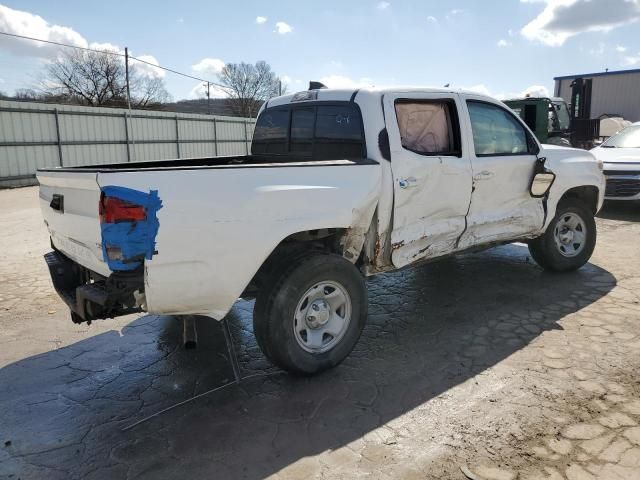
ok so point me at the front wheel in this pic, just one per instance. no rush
(310, 316)
(569, 239)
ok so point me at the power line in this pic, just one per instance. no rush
(112, 53)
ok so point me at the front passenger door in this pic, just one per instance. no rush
(502, 162)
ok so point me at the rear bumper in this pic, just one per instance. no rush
(91, 296)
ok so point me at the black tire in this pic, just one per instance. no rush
(545, 250)
(275, 309)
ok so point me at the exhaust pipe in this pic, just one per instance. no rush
(189, 332)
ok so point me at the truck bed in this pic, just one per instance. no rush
(242, 161)
(209, 223)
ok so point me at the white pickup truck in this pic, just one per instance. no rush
(340, 185)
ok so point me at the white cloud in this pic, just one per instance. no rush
(621, 49)
(283, 28)
(341, 81)
(210, 66)
(481, 89)
(432, 19)
(453, 13)
(261, 20)
(563, 19)
(631, 61)
(200, 91)
(503, 43)
(147, 70)
(293, 83)
(106, 47)
(29, 25)
(536, 91)
(383, 5)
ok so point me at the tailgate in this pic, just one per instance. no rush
(69, 201)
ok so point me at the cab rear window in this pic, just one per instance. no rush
(271, 132)
(314, 132)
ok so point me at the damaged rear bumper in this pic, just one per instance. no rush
(91, 296)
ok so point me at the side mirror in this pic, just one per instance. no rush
(542, 179)
(541, 184)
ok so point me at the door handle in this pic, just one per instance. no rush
(484, 175)
(408, 182)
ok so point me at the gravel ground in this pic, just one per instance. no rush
(482, 367)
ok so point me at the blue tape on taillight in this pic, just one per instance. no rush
(135, 239)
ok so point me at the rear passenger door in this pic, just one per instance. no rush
(503, 160)
(431, 174)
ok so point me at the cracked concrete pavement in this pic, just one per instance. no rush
(481, 366)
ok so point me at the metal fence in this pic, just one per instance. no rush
(35, 135)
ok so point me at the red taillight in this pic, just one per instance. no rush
(113, 210)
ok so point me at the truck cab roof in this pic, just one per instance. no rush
(347, 94)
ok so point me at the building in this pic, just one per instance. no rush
(604, 93)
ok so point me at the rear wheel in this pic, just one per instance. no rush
(569, 240)
(309, 318)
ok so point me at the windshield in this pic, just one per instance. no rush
(627, 138)
(563, 115)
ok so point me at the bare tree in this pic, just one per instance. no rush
(248, 86)
(98, 78)
(27, 94)
(149, 91)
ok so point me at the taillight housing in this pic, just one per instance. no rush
(115, 210)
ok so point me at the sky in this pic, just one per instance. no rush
(500, 47)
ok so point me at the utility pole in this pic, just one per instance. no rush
(208, 98)
(279, 87)
(126, 73)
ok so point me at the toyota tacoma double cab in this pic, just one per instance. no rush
(340, 185)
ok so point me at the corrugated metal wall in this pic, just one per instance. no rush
(34, 135)
(611, 94)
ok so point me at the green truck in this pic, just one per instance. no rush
(549, 118)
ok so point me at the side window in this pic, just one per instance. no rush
(338, 133)
(496, 131)
(271, 132)
(429, 127)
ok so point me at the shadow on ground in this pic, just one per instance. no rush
(429, 329)
(628, 211)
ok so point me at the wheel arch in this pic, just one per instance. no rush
(346, 242)
(588, 195)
